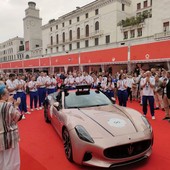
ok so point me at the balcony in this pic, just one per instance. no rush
(162, 35)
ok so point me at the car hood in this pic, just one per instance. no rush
(113, 120)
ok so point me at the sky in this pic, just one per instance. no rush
(12, 13)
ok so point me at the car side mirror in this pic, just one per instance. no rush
(56, 105)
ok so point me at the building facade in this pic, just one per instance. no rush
(13, 49)
(100, 35)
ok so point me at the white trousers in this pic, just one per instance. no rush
(10, 159)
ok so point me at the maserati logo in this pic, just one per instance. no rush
(130, 150)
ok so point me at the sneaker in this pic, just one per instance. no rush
(40, 108)
(153, 117)
(31, 110)
(157, 108)
(37, 108)
(28, 113)
(23, 117)
(166, 118)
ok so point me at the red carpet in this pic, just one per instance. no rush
(42, 149)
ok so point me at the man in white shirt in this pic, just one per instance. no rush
(51, 84)
(122, 90)
(148, 84)
(11, 85)
(41, 84)
(32, 85)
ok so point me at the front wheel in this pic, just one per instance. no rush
(67, 145)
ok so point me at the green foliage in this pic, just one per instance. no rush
(132, 21)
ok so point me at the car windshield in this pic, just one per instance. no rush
(87, 100)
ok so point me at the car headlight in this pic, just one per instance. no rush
(83, 134)
(146, 122)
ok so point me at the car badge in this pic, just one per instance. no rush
(130, 150)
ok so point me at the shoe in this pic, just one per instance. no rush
(31, 110)
(166, 118)
(23, 117)
(157, 108)
(37, 108)
(28, 113)
(40, 108)
(153, 117)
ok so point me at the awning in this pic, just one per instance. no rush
(17, 64)
(65, 60)
(115, 55)
(150, 52)
(30, 63)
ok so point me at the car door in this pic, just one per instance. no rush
(57, 116)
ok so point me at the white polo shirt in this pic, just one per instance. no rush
(148, 90)
(11, 85)
(51, 82)
(32, 84)
(121, 84)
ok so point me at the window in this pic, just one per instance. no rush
(87, 31)
(87, 43)
(63, 24)
(70, 22)
(150, 2)
(78, 19)
(139, 30)
(96, 41)
(51, 40)
(145, 4)
(70, 47)
(78, 33)
(63, 37)
(125, 35)
(107, 39)
(63, 47)
(21, 42)
(138, 6)
(132, 33)
(96, 11)
(78, 45)
(166, 26)
(97, 26)
(56, 27)
(57, 39)
(87, 15)
(70, 35)
(56, 49)
(123, 7)
(51, 28)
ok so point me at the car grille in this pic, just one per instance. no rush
(128, 150)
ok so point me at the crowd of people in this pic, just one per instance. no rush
(147, 87)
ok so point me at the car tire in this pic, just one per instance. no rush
(67, 145)
(47, 120)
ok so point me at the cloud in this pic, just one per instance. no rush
(12, 13)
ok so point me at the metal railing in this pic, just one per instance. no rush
(82, 37)
(162, 35)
